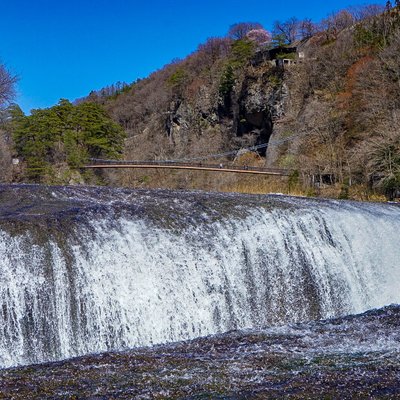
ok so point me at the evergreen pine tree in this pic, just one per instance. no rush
(64, 134)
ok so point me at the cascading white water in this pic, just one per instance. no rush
(120, 281)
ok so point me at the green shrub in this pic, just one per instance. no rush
(367, 37)
(242, 51)
(177, 78)
(227, 80)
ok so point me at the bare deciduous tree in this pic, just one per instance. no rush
(7, 85)
(336, 23)
(390, 57)
(289, 29)
(307, 28)
(240, 30)
(366, 11)
(380, 155)
(215, 47)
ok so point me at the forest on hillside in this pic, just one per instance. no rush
(325, 97)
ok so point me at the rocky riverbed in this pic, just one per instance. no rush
(347, 358)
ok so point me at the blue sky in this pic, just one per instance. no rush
(64, 49)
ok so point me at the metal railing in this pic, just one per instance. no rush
(223, 167)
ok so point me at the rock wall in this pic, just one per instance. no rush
(181, 119)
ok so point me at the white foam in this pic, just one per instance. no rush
(129, 283)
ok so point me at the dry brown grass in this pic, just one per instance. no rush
(257, 184)
(230, 182)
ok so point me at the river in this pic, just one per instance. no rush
(213, 278)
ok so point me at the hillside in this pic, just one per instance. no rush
(332, 114)
(326, 100)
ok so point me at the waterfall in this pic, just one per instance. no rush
(117, 276)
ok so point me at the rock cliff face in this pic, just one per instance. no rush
(260, 103)
(197, 120)
(247, 117)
